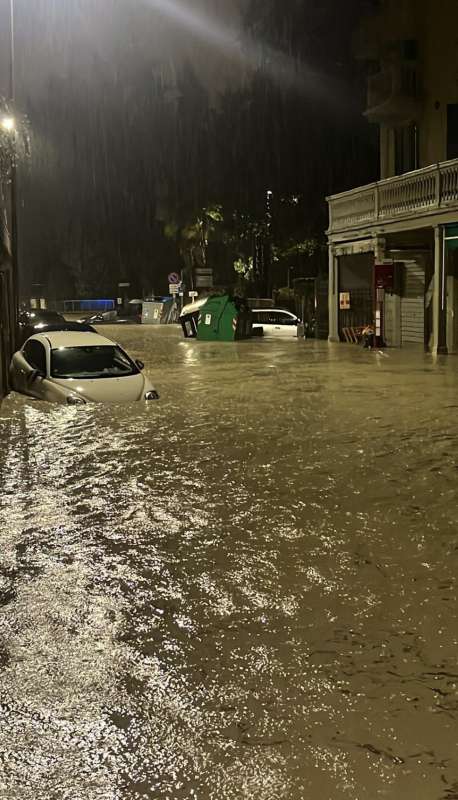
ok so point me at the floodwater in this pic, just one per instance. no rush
(245, 590)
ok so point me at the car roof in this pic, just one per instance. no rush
(72, 339)
(41, 312)
(284, 310)
(48, 327)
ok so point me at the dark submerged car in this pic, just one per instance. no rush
(130, 316)
(39, 320)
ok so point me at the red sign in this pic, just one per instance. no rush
(384, 277)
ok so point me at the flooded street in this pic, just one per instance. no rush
(245, 590)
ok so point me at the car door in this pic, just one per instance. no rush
(268, 322)
(285, 324)
(34, 355)
(256, 318)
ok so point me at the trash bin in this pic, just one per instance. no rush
(224, 319)
(189, 318)
(152, 313)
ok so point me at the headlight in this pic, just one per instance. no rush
(152, 395)
(75, 400)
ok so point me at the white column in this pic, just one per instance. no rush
(450, 338)
(333, 296)
(439, 340)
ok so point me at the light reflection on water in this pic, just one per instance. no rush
(246, 590)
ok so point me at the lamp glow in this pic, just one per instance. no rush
(8, 124)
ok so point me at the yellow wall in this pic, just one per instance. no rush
(435, 26)
(439, 65)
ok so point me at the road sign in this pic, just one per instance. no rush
(193, 294)
(174, 278)
(174, 288)
(204, 282)
(344, 299)
(123, 285)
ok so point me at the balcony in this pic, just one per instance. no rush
(393, 95)
(424, 192)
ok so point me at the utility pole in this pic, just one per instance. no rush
(13, 195)
(268, 245)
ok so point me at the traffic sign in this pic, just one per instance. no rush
(174, 278)
(174, 288)
(193, 294)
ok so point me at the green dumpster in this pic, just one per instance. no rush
(224, 319)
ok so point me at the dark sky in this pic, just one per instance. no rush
(98, 80)
(70, 36)
(83, 74)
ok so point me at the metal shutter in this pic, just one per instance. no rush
(413, 303)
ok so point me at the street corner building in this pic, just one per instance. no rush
(393, 244)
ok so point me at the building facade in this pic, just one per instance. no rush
(8, 310)
(400, 234)
(6, 325)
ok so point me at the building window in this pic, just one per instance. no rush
(410, 49)
(406, 143)
(452, 130)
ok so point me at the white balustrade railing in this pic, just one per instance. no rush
(421, 192)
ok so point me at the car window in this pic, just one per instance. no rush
(50, 316)
(260, 317)
(274, 317)
(285, 319)
(35, 355)
(99, 361)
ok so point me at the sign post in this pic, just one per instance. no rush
(383, 283)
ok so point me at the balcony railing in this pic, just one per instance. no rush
(425, 191)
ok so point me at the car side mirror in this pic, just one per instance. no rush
(139, 364)
(34, 374)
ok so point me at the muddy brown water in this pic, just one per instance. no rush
(245, 590)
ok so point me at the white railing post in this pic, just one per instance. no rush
(438, 186)
(376, 201)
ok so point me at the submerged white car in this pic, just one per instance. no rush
(275, 321)
(78, 368)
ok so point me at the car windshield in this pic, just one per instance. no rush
(100, 361)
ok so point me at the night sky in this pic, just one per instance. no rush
(120, 96)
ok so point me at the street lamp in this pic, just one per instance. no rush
(8, 124)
